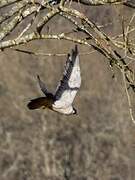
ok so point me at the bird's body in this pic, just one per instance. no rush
(66, 91)
(62, 110)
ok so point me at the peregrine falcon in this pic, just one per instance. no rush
(61, 101)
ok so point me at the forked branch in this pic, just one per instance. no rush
(93, 36)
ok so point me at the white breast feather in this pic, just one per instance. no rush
(67, 110)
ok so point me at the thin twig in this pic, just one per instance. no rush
(50, 54)
(128, 97)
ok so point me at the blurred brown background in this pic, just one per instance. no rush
(98, 144)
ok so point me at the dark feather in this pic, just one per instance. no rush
(43, 87)
(38, 103)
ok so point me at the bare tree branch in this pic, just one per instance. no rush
(129, 4)
(15, 9)
(93, 35)
(100, 2)
(128, 98)
(35, 36)
(4, 3)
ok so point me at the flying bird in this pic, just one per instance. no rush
(61, 101)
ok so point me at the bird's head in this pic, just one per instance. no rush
(74, 111)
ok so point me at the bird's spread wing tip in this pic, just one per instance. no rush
(38, 77)
(76, 47)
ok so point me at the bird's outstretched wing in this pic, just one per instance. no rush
(37, 103)
(43, 87)
(71, 81)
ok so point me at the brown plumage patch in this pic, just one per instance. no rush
(41, 102)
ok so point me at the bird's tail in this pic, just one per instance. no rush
(37, 103)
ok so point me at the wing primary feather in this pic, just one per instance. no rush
(37, 103)
(71, 77)
(42, 86)
(74, 53)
